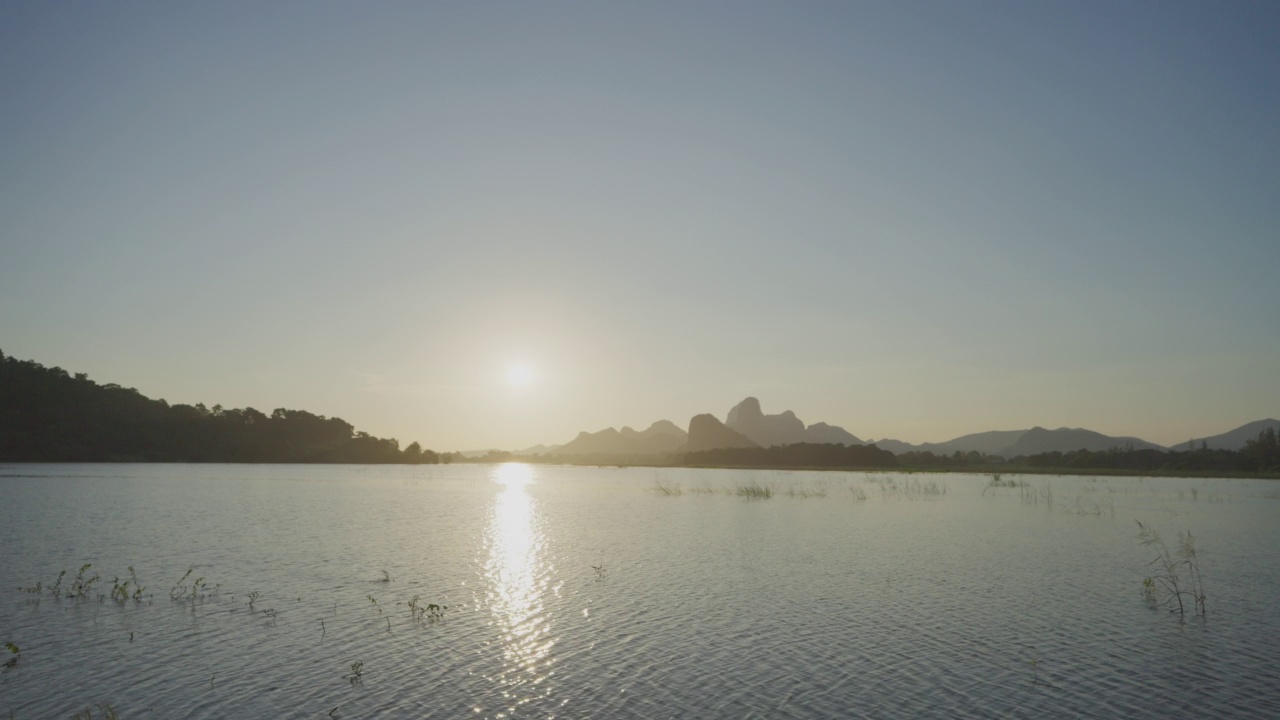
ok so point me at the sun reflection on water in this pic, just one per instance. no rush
(518, 579)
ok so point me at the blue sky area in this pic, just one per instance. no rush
(915, 220)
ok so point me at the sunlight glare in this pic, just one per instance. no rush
(519, 376)
(518, 580)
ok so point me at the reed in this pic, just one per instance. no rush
(1167, 587)
(754, 491)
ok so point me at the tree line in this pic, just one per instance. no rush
(50, 415)
(1259, 455)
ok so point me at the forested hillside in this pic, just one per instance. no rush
(50, 415)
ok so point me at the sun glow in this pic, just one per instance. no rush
(519, 376)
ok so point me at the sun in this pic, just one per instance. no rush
(519, 376)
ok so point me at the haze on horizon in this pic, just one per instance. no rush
(495, 225)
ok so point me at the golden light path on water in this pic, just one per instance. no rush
(518, 581)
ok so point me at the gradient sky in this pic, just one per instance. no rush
(914, 220)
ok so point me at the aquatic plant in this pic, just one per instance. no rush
(15, 651)
(253, 597)
(430, 612)
(599, 570)
(754, 491)
(81, 585)
(357, 674)
(56, 590)
(121, 593)
(858, 493)
(179, 589)
(997, 481)
(386, 577)
(1167, 588)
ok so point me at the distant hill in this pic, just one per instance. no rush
(1232, 439)
(706, 432)
(782, 429)
(539, 449)
(1012, 443)
(1039, 440)
(987, 443)
(661, 437)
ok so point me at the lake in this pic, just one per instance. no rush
(518, 591)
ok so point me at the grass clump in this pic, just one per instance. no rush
(1168, 588)
(431, 612)
(754, 491)
(121, 593)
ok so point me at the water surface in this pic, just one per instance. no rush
(586, 592)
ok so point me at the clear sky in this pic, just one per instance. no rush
(914, 220)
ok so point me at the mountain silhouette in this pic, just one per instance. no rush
(1232, 439)
(987, 443)
(783, 429)
(706, 432)
(1012, 443)
(661, 437)
(1039, 440)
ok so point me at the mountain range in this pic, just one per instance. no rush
(746, 425)
(1012, 443)
(662, 436)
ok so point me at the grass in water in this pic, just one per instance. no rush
(1168, 588)
(431, 612)
(754, 491)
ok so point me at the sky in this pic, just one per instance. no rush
(914, 220)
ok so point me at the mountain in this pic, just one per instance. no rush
(539, 449)
(987, 443)
(706, 432)
(1234, 439)
(821, 433)
(783, 429)
(660, 437)
(1039, 440)
(1012, 443)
